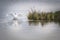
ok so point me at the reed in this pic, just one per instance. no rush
(34, 15)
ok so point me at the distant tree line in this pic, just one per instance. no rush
(34, 15)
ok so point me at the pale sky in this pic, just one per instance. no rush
(23, 6)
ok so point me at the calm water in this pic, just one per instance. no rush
(31, 30)
(24, 30)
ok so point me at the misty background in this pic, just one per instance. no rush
(24, 6)
(13, 30)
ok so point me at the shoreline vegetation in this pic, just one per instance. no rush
(43, 17)
(36, 16)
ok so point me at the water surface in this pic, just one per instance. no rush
(31, 30)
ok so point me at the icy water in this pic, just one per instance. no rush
(31, 30)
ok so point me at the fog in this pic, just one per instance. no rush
(23, 30)
(24, 6)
